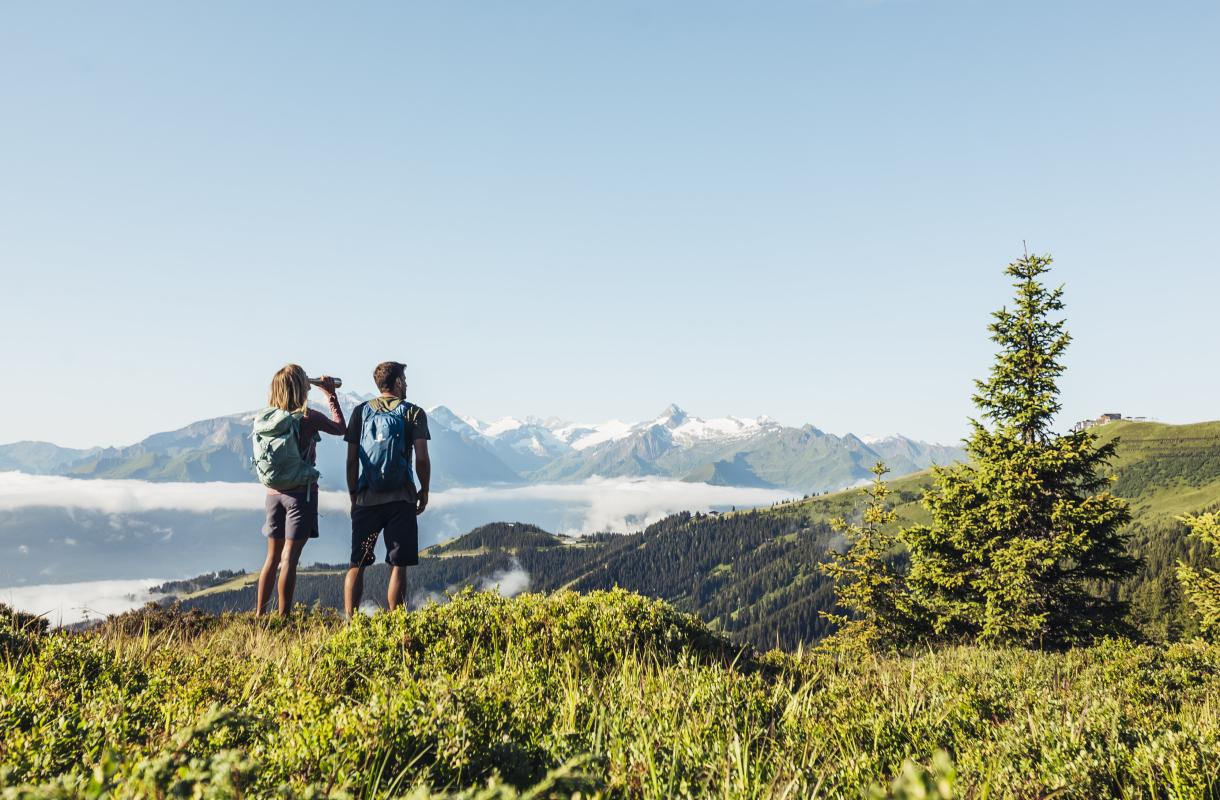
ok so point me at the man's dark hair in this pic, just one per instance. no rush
(387, 374)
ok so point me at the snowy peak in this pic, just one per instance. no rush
(672, 417)
(872, 438)
(582, 436)
(694, 429)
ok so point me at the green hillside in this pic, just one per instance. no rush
(754, 574)
(1166, 470)
(598, 696)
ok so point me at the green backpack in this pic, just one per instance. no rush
(277, 451)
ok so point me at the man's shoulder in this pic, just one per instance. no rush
(413, 412)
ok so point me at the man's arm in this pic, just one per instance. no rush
(423, 468)
(353, 469)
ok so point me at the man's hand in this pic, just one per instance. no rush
(423, 467)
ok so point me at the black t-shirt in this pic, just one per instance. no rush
(416, 428)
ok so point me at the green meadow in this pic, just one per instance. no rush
(601, 695)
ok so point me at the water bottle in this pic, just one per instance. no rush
(318, 381)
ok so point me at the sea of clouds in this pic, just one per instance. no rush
(69, 603)
(596, 504)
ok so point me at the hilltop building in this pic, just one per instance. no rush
(1084, 425)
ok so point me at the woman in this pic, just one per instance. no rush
(292, 514)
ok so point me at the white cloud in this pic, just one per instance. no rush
(508, 582)
(18, 490)
(618, 504)
(596, 504)
(66, 603)
(25, 551)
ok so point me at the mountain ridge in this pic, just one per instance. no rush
(731, 451)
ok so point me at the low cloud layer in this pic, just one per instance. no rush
(18, 490)
(597, 504)
(68, 603)
(615, 504)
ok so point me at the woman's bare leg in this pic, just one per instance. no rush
(266, 578)
(288, 573)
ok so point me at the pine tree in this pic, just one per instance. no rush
(1202, 588)
(868, 585)
(1020, 533)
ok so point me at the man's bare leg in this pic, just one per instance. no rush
(266, 578)
(395, 595)
(288, 573)
(353, 590)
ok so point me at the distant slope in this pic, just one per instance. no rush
(38, 458)
(1166, 470)
(211, 450)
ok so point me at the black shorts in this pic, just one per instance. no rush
(401, 528)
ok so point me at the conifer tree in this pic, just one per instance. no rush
(867, 583)
(1020, 533)
(1202, 588)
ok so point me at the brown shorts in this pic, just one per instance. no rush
(291, 516)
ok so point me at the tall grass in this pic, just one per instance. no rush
(601, 695)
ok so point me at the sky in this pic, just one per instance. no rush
(592, 210)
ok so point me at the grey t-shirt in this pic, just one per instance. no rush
(416, 428)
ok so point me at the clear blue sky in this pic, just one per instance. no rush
(593, 209)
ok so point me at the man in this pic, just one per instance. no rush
(380, 437)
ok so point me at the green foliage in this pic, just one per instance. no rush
(20, 633)
(1020, 535)
(1202, 586)
(608, 695)
(502, 536)
(1021, 396)
(868, 584)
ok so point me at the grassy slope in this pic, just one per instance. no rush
(1164, 471)
(610, 694)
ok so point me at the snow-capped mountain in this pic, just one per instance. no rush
(555, 436)
(729, 450)
(734, 451)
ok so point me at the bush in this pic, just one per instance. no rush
(608, 695)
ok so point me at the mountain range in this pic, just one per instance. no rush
(468, 452)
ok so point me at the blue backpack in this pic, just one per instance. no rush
(385, 464)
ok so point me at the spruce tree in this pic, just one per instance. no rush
(868, 585)
(1021, 532)
(1202, 587)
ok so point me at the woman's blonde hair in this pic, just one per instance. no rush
(289, 389)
